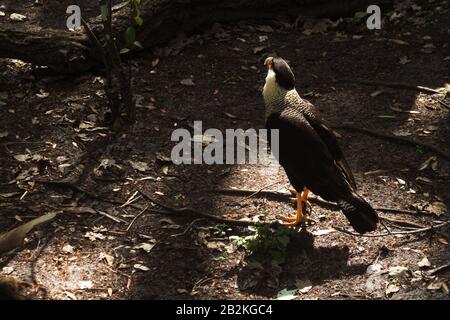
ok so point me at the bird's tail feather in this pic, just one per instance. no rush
(359, 213)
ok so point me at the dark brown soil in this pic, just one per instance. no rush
(201, 263)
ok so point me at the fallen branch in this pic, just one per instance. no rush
(241, 223)
(263, 188)
(395, 85)
(401, 140)
(137, 216)
(189, 212)
(404, 223)
(74, 187)
(115, 219)
(438, 269)
(426, 229)
(442, 103)
(187, 228)
(284, 196)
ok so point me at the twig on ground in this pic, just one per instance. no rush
(110, 217)
(442, 103)
(396, 85)
(263, 188)
(438, 269)
(188, 212)
(385, 226)
(404, 223)
(430, 228)
(131, 199)
(242, 223)
(70, 185)
(193, 213)
(137, 216)
(22, 142)
(400, 140)
(187, 228)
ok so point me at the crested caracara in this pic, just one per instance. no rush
(309, 151)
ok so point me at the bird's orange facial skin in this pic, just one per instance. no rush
(269, 63)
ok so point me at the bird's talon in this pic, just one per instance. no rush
(293, 191)
(288, 218)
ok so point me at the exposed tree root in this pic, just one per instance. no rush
(400, 140)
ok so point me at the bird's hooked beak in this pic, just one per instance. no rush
(269, 63)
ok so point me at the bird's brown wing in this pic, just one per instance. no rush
(329, 138)
(306, 158)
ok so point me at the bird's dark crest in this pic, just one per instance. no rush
(284, 75)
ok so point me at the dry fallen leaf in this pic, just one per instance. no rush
(398, 271)
(139, 165)
(229, 115)
(68, 249)
(401, 133)
(303, 285)
(323, 232)
(163, 158)
(424, 263)
(141, 267)
(17, 17)
(258, 49)
(155, 62)
(438, 208)
(42, 94)
(376, 93)
(286, 294)
(400, 42)
(392, 288)
(14, 238)
(187, 82)
(435, 285)
(427, 162)
(94, 236)
(147, 247)
(404, 60)
(108, 258)
(424, 180)
(70, 295)
(85, 284)
(22, 157)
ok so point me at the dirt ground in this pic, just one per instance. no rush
(52, 128)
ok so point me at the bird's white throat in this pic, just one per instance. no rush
(273, 94)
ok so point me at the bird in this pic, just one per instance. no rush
(309, 151)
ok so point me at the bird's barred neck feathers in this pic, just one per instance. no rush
(275, 97)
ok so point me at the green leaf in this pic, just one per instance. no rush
(360, 14)
(104, 11)
(138, 44)
(220, 258)
(138, 20)
(286, 294)
(130, 36)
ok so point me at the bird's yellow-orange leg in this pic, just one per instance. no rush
(299, 217)
(304, 196)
